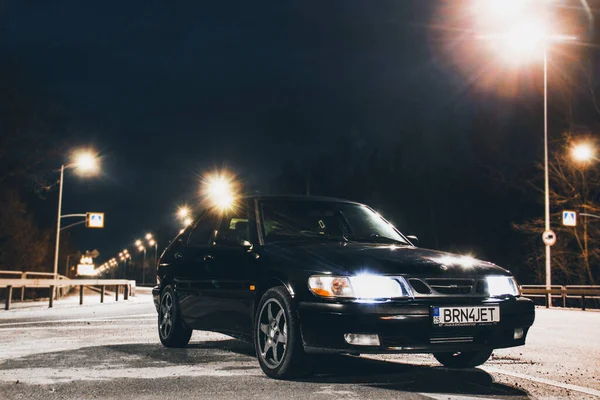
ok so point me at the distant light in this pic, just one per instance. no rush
(500, 10)
(152, 242)
(181, 231)
(138, 242)
(86, 162)
(183, 212)
(121, 254)
(219, 189)
(187, 221)
(141, 248)
(522, 41)
(583, 152)
(148, 236)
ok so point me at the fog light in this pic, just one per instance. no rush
(360, 339)
(518, 333)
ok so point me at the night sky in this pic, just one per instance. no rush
(166, 90)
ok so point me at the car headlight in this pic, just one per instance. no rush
(502, 286)
(368, 287)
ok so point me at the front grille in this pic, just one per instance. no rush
(419, 286)
(451, 286)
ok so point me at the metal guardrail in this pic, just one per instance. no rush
(128, 287)
(581, 292)
(44, 275)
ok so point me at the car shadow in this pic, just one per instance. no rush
(237, 356)
(339, 369)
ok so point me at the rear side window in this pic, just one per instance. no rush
(204, 230)
(233, 228)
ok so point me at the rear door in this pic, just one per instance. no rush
(233, 266)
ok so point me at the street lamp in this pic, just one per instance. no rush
(142, 248)
(183, 212)
(84, 162)
(527, 34)
(152, 242)
(583, 152)
(219, 189)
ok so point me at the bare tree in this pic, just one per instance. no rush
(573, 186)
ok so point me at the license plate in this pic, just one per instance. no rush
(453, 316)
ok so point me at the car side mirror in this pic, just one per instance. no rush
(246, 245)
(413, 239)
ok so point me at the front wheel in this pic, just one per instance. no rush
(277, 335)
(171, 329)
(463, 359)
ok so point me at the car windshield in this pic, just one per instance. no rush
(285, 220)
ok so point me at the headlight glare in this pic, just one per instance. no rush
(502, 286)
(366, 287)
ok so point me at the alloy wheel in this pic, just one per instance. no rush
(272, 333)
(166, 315)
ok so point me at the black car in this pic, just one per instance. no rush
(301, 275)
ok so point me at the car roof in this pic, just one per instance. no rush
(301, 198)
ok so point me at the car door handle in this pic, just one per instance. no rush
(208, 258)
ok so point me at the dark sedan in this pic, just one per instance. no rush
(301, 275)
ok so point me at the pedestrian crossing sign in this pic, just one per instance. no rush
(95, 220)
(569, 218)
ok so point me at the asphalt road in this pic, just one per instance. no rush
(112, 351)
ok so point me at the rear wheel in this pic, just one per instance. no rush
(171, 329)
(277, 335)
(463, 359)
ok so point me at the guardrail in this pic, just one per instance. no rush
(128, 287)
(45, 275)
(581, 292)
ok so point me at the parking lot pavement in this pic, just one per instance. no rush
(112, 351)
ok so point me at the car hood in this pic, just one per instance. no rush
(359, 258)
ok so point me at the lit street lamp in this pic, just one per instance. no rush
(528, 34)
(84, 163)
(183, 212)
(152, 242)
(583, 152)
(142, 248)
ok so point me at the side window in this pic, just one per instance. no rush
(233, 228)
(204, 230)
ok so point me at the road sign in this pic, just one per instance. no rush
(95, 220)
(569, 218)
(549, 238)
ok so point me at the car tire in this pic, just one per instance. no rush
(463, 359)
(171, 329)
(277, 337)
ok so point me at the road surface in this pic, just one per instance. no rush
(111, 351)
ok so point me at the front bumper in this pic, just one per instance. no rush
(407, 327)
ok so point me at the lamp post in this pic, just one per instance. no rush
(152, 242)
(85, 162)
(142, 248)
(526, 36)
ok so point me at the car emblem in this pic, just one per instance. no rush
(443, 267)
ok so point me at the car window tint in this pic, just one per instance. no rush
(233, 228)
(203, 230)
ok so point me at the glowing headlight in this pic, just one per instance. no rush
(502, 286)
(367, 287)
